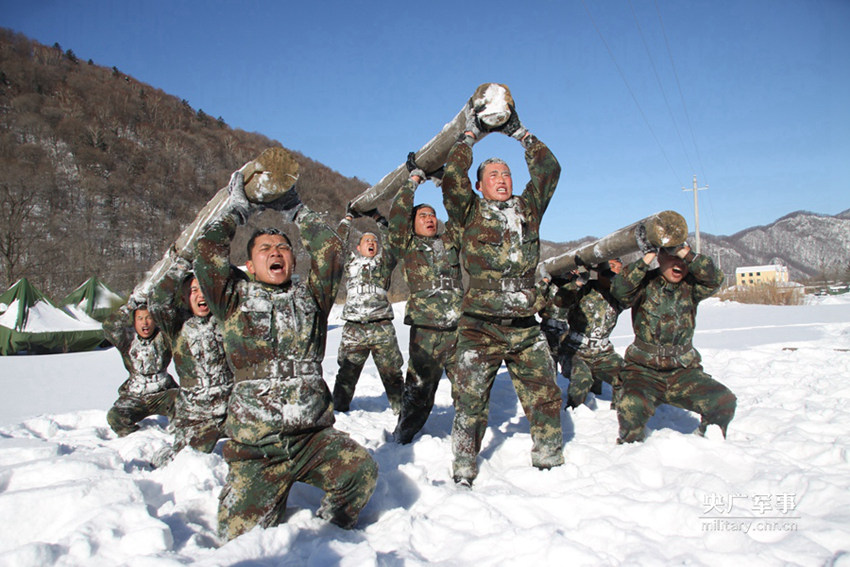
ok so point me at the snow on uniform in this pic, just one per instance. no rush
(368, 325)
(150, 389)
(432, 271)
(500, 250)
(205, 377)
(280, 418)
(587, 354)
(661, 365)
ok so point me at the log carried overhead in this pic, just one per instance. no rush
(491, 103)
(667, 228)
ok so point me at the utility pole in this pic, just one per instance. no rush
(696, 209)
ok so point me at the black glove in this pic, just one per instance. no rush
(287, 204)
(643, 243)
(411, 162)
(239, 205)
(377, 217)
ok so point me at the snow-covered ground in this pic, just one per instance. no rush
(776, 492)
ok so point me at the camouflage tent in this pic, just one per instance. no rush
(94, 299)
(31, 323)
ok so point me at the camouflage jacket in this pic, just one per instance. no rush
(367, 281)
(196, 342)
(431, 266)
(274, 336)
(500, 240)
(146, 360)
(664, 314)
(551, 310)
(592, 315)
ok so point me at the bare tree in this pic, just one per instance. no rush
(18, 201)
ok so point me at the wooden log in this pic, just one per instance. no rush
(491, 102)
(267, 177)
(667, 228)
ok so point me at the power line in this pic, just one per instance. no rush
(660, 86)
(681, 94)
(629, 88)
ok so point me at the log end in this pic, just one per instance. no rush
(270, 175)
(667, 228)
(494, 101)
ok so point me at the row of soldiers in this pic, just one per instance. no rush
(248, 347)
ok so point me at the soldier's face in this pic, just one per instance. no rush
(673, 269)
(143, 323)
(496, 183)
(368, 246)
(197, 301)
(425, 222)
(272, 260)
(616, 266)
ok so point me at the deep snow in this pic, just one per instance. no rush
(777, 491)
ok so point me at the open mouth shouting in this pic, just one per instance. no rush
(673, 269)
(368, 246)
(271, 260)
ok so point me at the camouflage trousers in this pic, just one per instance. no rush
(553, 330)
(482, 346)
(585, 368)
(644, 389)
(358, 340)
(127, 411)
(431, 351)
(199, 427)
(261, 476)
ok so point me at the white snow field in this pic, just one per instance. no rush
(776, 492)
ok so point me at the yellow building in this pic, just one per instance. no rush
(755, 275)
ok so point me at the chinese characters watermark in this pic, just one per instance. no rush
(749, 512)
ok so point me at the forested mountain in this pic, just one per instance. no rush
(99, 172)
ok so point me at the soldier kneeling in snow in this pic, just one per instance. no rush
(279, 416)
(182, 313)
(150, 389)
(662, 366)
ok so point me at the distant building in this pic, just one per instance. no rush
(755, 275)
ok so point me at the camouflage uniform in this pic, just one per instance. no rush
(432, 271)
(150, 389)
(500, 250)
(553, 323)
(205, 377)
(587, 355)
(279, 416)
(368, 326)
(662, 366)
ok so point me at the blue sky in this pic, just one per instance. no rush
(635, 97)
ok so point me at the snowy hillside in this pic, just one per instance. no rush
(777, 492)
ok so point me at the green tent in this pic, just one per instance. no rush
(31, 323)
(94, 299)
